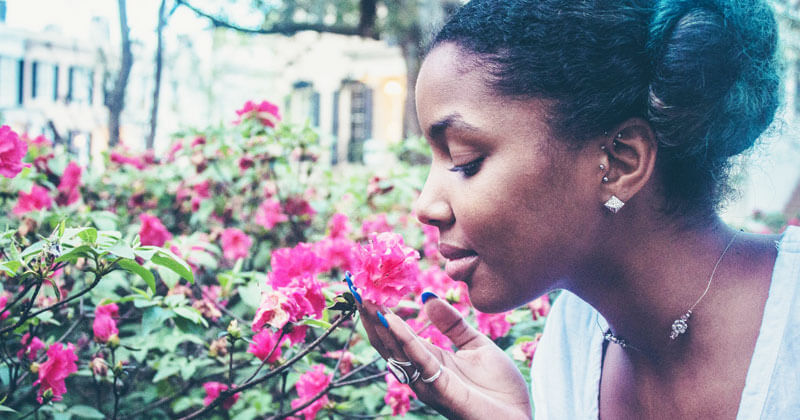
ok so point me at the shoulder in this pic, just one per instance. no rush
(566, 367)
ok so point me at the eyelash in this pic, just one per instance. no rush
(468, 169)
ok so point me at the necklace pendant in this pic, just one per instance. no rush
(680, 325)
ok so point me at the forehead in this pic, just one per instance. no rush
(454, 83)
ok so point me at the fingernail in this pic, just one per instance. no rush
(383, 320)
(352, 288)
(428, 295)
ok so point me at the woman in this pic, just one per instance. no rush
(583, 145)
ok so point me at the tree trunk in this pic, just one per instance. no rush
(115, 100)
(412, 54)
(162, 20)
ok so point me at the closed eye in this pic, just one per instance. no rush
(468, 169)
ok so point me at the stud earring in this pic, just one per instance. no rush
(603, 147)
(614, 204)
(605, 179)
(602, 166)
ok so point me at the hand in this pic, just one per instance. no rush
(477, 382)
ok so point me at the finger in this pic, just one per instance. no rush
(450, 322)
(371, 325)
(437, 383)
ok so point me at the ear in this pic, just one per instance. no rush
(630, 158)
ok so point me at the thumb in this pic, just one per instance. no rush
(450, 322)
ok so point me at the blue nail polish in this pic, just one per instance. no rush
(383, 320)
(428, 295)
(353, 288)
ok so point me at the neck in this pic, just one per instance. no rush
(652, 276)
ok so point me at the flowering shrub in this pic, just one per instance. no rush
(208, 282)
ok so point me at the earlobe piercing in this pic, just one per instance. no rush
(614, 204)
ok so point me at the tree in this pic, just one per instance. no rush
(115, 98)
(404, 23)
(159, 60)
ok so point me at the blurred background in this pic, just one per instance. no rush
(94, 74)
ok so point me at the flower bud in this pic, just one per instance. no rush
(34, 367)
(218, 348)
(47, 395)
(99, 366)
(113, 341)
(234, 330)
(118, 369)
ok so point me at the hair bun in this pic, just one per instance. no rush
(715, 81)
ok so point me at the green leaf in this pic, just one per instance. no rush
(191, 314)
(4, 409)
(146, 252)
(88, 236)
(123, 250)
(154, 317)
(75, 253)
(316, 323)
(166, 372)
(165, 259)
(134, 267)
(86, 412)
(11, 267)
(33, 249)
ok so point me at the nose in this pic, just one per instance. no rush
(433, 206)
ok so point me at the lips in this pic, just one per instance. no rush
(461, 263)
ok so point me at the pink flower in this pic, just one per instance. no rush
(69, 186)
(338, 226)
(121, 159)
(235, 244)
(266, 112)
(104, 325)
(3, 303)
(431, 333)
(198, 141)
(493, 325)
(375, 224)
(289, 263)
(398, 396)
(308, 386)
(245, 163)
(794, 221)
(37, 199)
(299, 206)
(152, 231)
(540, 307)
(61, 362)
(431, 245)
(275, 310)
(39, 141)
(386, 269)
(263, 344)
(213, 389)
(337, 252)
(269, 213)
(30, 347)
(12, 151)
(346, 364)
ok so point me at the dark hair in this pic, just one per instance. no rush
(703, 73)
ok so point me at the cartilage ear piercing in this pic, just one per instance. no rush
(614, 204)
(602, 166)
(603, 147)
(605, 179)
(619, 135)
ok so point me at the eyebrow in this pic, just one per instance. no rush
(437, 130)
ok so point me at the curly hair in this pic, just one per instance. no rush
(704, 73)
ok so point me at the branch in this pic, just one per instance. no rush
(227, 393)
(281, 28)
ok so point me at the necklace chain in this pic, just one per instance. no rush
(680, 325)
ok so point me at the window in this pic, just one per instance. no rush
(79, 85)
(8, 82)
(55, 82)
(360, 120)
(34, 78)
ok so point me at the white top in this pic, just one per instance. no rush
(568, 359)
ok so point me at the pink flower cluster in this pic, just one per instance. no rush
(269, 214)
(265, 346)
(37, 199)
(12, 150)
(30, 347)
(213, 389)
(235, 244)
(398, 396)
(69, 185)
(60, 363)
(152, 231)
(309, 385)
(540, 307)
(294, 291)
(3, 303)
(493, 325)
(386, 269)
(104, 325)
(266, 113)
(139, 163)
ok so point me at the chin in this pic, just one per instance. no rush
(491, 302)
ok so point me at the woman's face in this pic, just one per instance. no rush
(515, 209)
